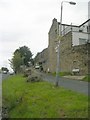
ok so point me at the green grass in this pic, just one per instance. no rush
(41, 100)
(86, 78)
(63, 73)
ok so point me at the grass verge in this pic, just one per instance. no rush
(62, 73)
(86, 78)
(41, 100)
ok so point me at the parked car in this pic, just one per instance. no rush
(11, 73)
(4, 72)
(37, 67)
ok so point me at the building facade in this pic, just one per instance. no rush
(73, 47)
(52, 43)
(42, 59)
(89, 37)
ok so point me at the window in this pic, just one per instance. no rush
(80, 30)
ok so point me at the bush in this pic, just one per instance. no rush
(27, 72)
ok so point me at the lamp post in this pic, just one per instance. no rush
(60, 35)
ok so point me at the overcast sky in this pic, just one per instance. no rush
(27, 22)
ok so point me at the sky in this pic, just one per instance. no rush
(27, 22)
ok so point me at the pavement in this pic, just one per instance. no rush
(74, 77)
(68, 83)
(2, 77)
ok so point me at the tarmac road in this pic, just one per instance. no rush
(2, 77)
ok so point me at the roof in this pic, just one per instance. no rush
(84, 23)
(76, 25)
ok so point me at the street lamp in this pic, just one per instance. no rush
(72, 3)
(58, 53)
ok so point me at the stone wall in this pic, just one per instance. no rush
(88, 46)
(52, 35)
(81, 56)
(75, 58)
(65, 53)
(42, 57)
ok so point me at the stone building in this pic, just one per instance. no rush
(52, 42)
(42, 59)
(89, 36)
(73, 47)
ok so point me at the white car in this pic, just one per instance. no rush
(11, 73)
(37, 67)
(4, 72)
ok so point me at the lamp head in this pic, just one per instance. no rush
(72, 3)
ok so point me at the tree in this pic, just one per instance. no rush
(17, 61)
(25, 54)
(21, 57)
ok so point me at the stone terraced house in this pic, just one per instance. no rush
(42, 59)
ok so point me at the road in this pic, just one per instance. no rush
(75, 85)
(2, 77)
